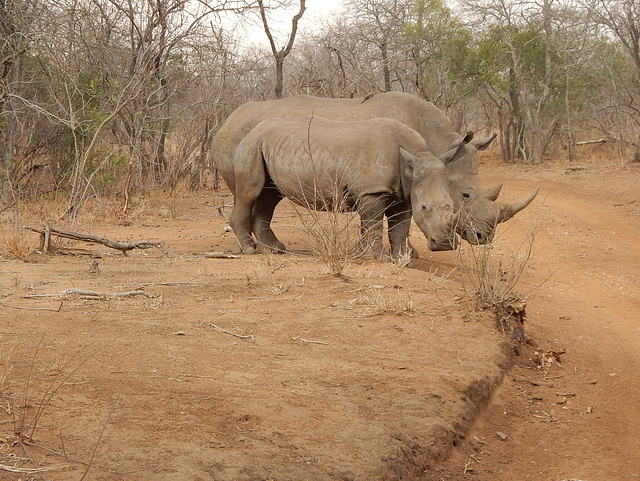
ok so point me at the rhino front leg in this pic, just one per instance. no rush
(399, 220)
(371, 209)
(263, 214)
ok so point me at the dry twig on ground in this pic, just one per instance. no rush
(250, 336)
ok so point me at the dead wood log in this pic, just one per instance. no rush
(595, 141)
(575, 168)
(123, 247)
(94, 295)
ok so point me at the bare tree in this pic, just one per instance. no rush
(279, 54)
(619, 116)
(15, 19)
(380, 23)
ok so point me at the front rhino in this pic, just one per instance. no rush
(381, 166)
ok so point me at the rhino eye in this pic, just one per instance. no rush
(466, 195)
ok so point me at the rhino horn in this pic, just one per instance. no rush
(507, 211)
(494, 192)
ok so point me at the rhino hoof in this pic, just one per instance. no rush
(249, 250)
(278, 247)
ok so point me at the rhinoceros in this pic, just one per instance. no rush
(377, 166)
(480, 213)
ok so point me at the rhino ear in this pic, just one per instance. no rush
(411, 164)
(456, 148)
(461, 141)
(468, 137)
(406, 156)
(483, 142)
(408, 163)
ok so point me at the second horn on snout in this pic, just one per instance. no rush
(507, 211)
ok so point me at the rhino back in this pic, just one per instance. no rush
(420, 115)
(328, 157)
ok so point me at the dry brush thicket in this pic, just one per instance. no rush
(135, 105)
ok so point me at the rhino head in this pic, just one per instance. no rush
(424, 180)
(478, 211)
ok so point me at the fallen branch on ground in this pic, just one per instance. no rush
(625, 203)
(219, 255)
(121, 246)
(35, 308)
(13, 469)
(220, 208)
(304, 341)
(596, 141)
(95, 295)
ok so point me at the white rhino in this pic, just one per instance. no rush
(480, 211)
(378, 166)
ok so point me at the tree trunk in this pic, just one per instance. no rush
(280, 54)
(279, 75)
(12, 123)
(385, 67)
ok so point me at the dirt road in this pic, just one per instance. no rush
(582, 420)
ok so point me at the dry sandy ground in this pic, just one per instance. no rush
(372, 376)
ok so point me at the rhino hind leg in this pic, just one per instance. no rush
(263, 214)
(249, 186)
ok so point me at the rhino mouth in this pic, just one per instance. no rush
(475, 237)
(446, 243)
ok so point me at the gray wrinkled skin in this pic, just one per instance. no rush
(479, 211)
(315, 162)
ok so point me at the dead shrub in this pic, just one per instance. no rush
(332, 227)
(491, 273)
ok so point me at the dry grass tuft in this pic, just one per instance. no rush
(401, 261)
(399, 303)
(17, 246)
(333, 230)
